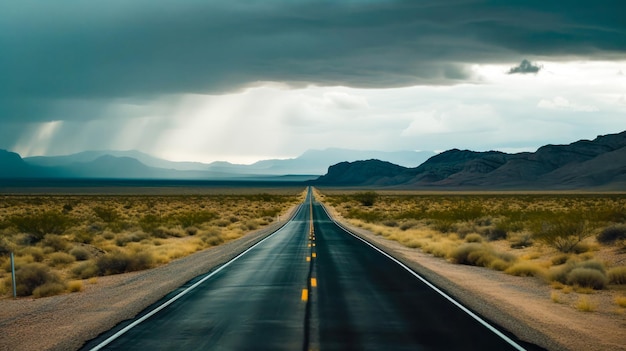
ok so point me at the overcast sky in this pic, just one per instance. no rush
(247, 80)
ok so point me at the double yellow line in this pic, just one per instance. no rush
(313, 282)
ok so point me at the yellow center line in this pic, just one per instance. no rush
(305, 294)
(313, 282)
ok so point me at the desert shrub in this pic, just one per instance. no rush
(49, 289)
(464, 228)
(475, 254)
(67, 208)
(75, 286)
(522, 240)
(106, 214)
(36, 252)
(119, 226)
(496, 233)
(86, 270)
(55, 242)
(250, 225)
(123, 239)
(121, 262)
(508, 225)
(80, 253)
(592, 264)
(499, 264)
(367, 198)
(617, 275)
(40, 224)
(444, 226)
(473, 238)
(6, 247)
(559, 274)
(439, 249)
(525, 269)
(390, 223)
(367, 216)
(225, 222)
(585, 305)
(30, 276)
(612, 234)
(83, 236)
(212, 237)
(61, 258)
(559, 259)
(461, 254)
(195, 218)
(149, 222)
(191, 230)
(587, 277)
(270, 212)
(563, 233)
(406, 225)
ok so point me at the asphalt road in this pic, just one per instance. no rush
(303, 289)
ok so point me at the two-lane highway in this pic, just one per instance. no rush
(311, 285)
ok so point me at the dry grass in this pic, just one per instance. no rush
(556, 297)
(75, 286)
(84, 236)
(620, 301)
(526, 269)
(584, 304)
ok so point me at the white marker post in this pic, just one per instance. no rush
(13, 275)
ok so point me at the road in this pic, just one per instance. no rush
(309, 286)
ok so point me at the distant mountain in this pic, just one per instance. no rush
(89, 156)
(137, 165)
(12, 166)
(103, 167)
(597, 163)
(367, 172)
(318, 161)
(312, 162)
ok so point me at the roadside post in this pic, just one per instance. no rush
(13, 275)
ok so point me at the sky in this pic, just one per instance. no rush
(241, 81)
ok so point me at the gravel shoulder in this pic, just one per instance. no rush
(522, 306)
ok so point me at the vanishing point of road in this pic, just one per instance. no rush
(309, 286)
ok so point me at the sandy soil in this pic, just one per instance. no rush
(520, 305)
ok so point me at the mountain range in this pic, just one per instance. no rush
(137, 165)
(598, 163)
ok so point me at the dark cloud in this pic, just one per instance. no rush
(525, 67)
(57, 52)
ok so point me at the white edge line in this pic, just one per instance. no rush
(112, 338)
(430, 285)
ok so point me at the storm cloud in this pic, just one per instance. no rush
(69, 59)
(208, 79)
(525, 67)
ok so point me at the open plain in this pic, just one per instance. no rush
(535, 308)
